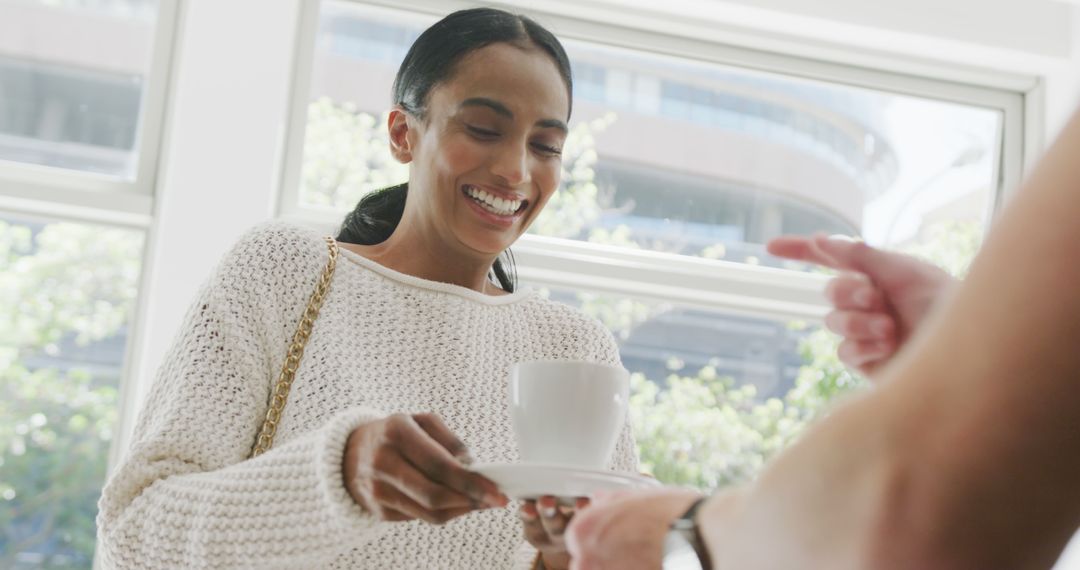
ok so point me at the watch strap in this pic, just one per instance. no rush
(687, 524)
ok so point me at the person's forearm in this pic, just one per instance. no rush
(1002, 366)
(880, 485)
(816, 505)
(969, 454)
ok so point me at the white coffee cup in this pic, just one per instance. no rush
(568, 413)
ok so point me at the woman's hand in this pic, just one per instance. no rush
(880, 300)
(545, 523)
(412, 467)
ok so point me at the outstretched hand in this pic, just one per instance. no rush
(626, 530)
(880, 298)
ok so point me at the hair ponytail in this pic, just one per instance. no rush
(375, 217)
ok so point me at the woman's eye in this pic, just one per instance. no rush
(481, 132)
(548, 149)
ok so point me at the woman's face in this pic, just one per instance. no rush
(486, 157)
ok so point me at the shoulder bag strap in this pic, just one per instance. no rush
(296, 351)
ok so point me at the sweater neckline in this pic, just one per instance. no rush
(437, 286)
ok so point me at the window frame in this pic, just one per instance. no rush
(710, 284)
(52, 194)
(40, 191)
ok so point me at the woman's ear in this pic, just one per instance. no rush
(398, 126)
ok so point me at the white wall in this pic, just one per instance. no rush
(223, 140)
(1035, 26)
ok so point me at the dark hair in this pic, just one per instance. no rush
(430, 61)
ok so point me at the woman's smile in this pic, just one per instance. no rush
(495, 207)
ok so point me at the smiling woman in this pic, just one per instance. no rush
(486, 137)
(506, 105)
(420, 315)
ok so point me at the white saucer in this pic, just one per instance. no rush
(531, 481)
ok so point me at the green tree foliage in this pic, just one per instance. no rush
(706, 431)
(346, 155)
(67, 286)
(949, 244)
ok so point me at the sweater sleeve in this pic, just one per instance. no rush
(186, 496)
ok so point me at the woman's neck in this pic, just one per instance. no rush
(428, 257)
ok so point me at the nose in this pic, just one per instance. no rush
(511, 163)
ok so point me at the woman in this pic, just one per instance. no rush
(408, 358)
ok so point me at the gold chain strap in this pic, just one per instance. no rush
(292, 361)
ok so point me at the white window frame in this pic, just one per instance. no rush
(57, 193)
(711, 284)
(49, 194)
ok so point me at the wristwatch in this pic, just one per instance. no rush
(683, 547)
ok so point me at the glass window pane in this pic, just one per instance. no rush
(346, 148)
(688, 157)
(714, 395)
(708, 160)
(72, 77)
(66, 295)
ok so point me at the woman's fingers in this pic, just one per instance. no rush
(439, 466)
(545, 520)
(396, 505)
(861, 325)
(553, 519)
(534, 529)
(434, 427)
(398, 471)
(392, 468)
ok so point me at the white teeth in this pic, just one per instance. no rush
(494, 204)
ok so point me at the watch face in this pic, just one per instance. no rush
(679, 553)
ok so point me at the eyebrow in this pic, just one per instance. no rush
(504, 111)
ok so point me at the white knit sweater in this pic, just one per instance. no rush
(187, 496)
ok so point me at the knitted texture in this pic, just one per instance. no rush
(186, 496)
